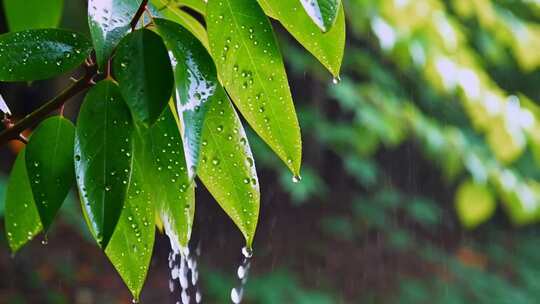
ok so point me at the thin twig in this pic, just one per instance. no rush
(22, 138)
(138, 14)
(14, 130)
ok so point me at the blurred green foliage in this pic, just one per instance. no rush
(454, 83)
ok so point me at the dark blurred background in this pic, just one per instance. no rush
(420, 176)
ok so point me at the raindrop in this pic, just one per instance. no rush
(247, 252)
(296, 179)
(237, 293)
(336, 80)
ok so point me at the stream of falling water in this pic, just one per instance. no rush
(237, 293)
(185, 273)
(184, 269)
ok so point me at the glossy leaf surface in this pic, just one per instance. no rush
(322, 12)
(250, 66)
(21, 214)
(32, 14)
(40, 54)
(195, 83)
(172, 189)
(227, 167)
(327, 47)
(171, 11)
(217, 137)
(109, 22)
(49, 163)
(130, 248)
(103, 157)
(143, 69)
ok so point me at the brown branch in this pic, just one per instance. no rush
(138, 14)
(14, 131)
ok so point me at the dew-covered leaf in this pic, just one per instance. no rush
(143, 69)
(251, 67)
(171, 11)
(21, 214)
(172, 190)
(109, 22)
(195, 83)
(130, 248)
(103, 157)
(227, 168)
(322, 12)
(32, 14)
(327, 47)
(49, 163)
(40, 54)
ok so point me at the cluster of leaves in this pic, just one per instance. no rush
(158, 114)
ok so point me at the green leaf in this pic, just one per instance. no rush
(227, 168)
(174, 13)
(103, 157)
(21, 214)
(40, 54)
(49, 162)
(195, 82)
(474, 204)
(172, 189)
(250, 65)
(322, 12)
(197, 5)
(130, 248)
(32, 14)
(143, 69)
(212, 130)
(326, 47)
(109, 22)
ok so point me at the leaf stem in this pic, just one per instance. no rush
(14, 131)
(138, 14)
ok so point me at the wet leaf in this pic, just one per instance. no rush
(32, 14)
(327, 47)
(172, 189)
(143, 69)
(227, 168)
(21, 214)
(49, 163)
(322, 12)
(196, 5)
(130, 248)
(103, 157)
(40, 54)
(250, 66)
(172, 12)
(474, 204)
(109, 22)
(195, 83)
(213, 132)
